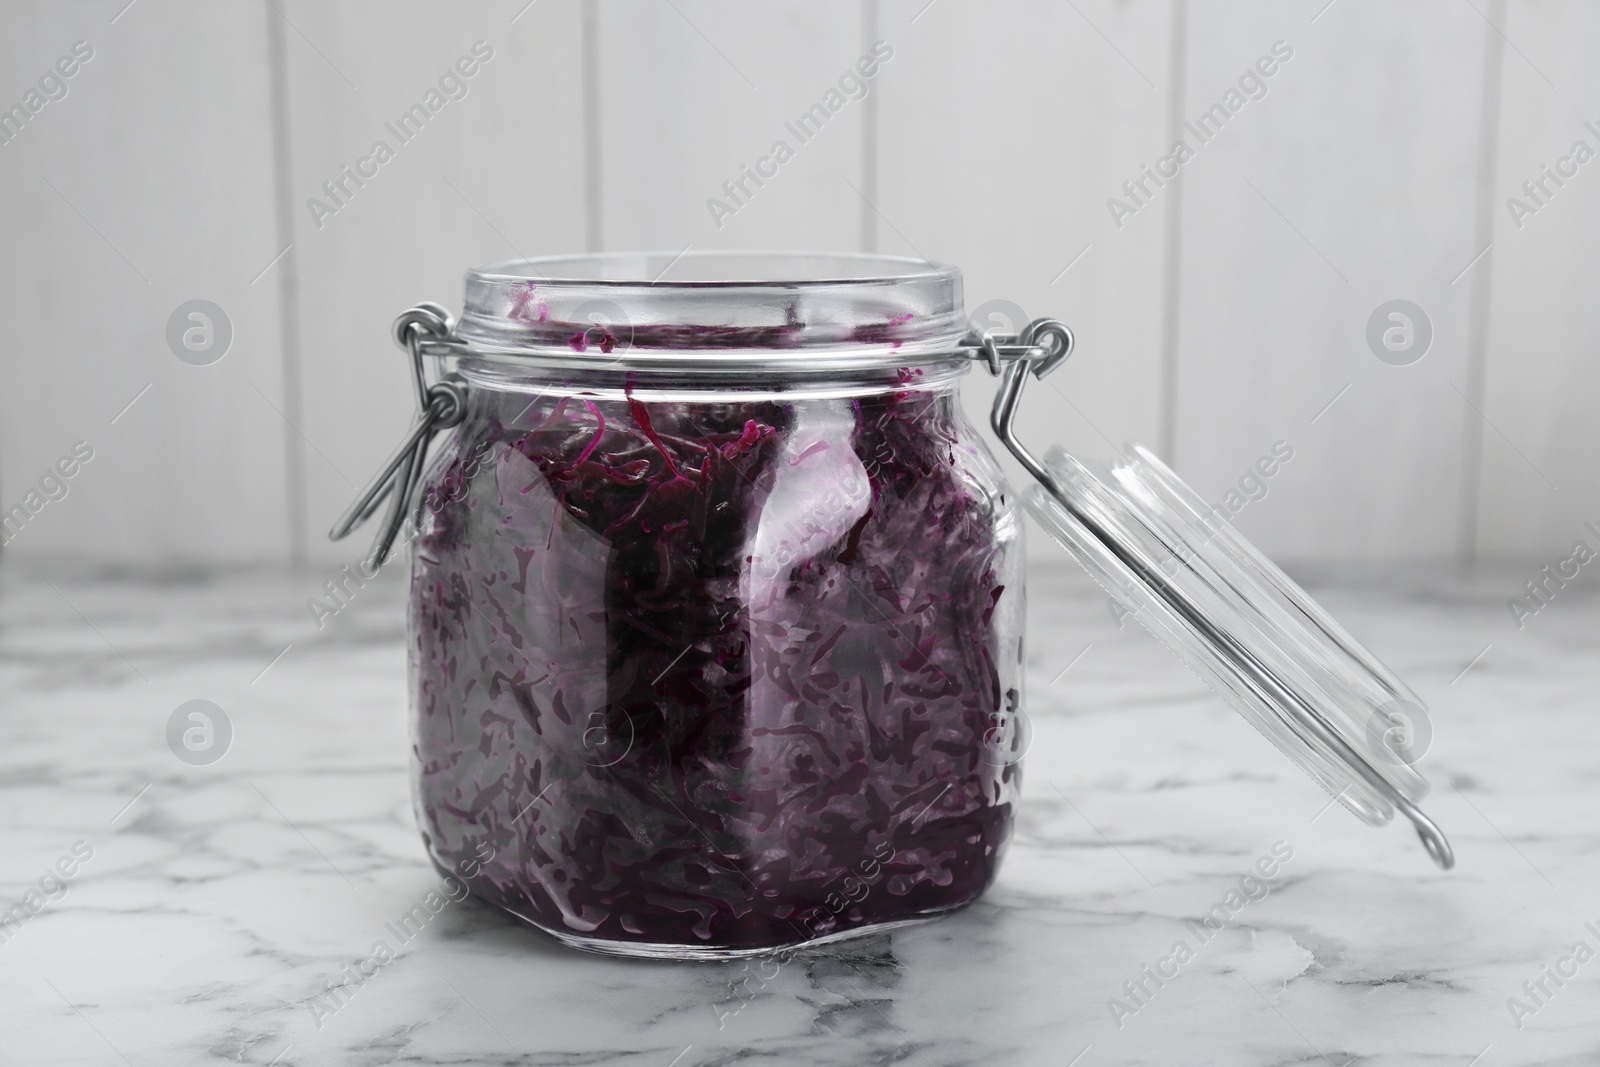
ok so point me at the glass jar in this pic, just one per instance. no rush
(716, 652)
(717, 600)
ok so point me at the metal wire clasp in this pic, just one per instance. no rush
(1053, 342)
(997, 350)
(440, 406)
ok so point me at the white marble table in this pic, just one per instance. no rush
(221, 901)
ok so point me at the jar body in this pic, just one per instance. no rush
(700, 675)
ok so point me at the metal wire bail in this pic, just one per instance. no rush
(440, 406)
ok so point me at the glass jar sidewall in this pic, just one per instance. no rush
(985, 533)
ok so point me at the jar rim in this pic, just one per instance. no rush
(733, 311)
(856, 269)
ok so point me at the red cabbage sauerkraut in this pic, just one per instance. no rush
(717, 675)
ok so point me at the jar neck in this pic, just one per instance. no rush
(732, 314)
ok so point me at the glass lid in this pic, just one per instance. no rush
(1180, 568)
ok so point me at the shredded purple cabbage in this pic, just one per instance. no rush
(717, 674)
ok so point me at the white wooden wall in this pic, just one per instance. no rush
(1222, 317)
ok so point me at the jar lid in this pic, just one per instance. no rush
(1178, 566)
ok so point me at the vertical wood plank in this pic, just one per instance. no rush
(1539, 482)
(147, 185)
(1349, 184)
(493, 174)
(692, 92)
(1005, 129)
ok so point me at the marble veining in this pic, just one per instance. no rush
(228, 910)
